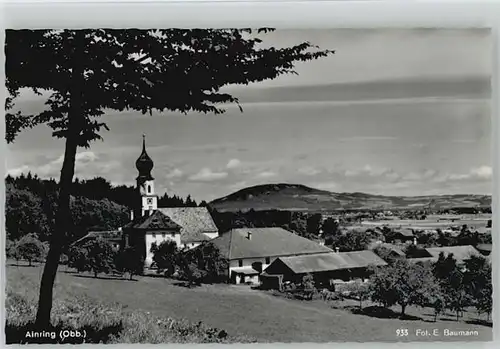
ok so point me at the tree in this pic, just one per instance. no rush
(313, 224)
(165, 256)
(403, 283)
(359, 290)
(77, 258)
(99, 256)
(350, 241)
(24, 214)
(131, 261)
(29, 248)
(203, 264)
(452, 283)
(330, 227)
(85, 72)
(478, 283)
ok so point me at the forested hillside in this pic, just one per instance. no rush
(96, 204)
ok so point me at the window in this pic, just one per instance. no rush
(192, 244)
(240, 262)
(268, 260)
(149, 189)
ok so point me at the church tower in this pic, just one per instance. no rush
(145, 182)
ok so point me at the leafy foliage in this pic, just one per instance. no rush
(30, 248)
(203, 264)
(165, 256)
(131, 261)
(99, 256)
(403, 283)
(78, 258)
(24, 214)
(349, 241)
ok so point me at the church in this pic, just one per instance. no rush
(149, 224)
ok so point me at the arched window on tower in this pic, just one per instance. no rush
(149, 189)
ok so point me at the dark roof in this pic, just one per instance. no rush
(194, 222)
(485, 247)
(109, 235)
(264, 242)
(405, 232)
(460, 253)
(394, 248)
(157, 220)
(331, 261)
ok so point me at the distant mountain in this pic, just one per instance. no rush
(297, 197)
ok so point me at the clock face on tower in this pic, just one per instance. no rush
(150, 201)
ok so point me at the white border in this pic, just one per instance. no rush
(279, 14)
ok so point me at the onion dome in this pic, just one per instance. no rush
(144, 163)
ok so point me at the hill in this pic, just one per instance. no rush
(297, 197)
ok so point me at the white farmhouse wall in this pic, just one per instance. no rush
(158, 238)
(247, 262)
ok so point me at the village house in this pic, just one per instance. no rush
(150, 224)
(460, 253)
(113, 237)
(250, 251)
(326, 268)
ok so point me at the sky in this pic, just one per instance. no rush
(392, 112)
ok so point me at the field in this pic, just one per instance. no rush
(240, 310)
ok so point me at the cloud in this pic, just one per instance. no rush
(18, 171)
(482, 173)
(207, 175)
(326, 185)
(367, 138)
(233, 163)
(266, 174)
(175, 173)
(308, 171)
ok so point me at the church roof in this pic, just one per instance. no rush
(144, 163)
(156, 221)
(193, 220)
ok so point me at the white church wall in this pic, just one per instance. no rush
(158, 238)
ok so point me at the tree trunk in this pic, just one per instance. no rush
(29, 262)
(458, 314)
(403, 309)
(63, 216)
(95, 274)
(131, 275)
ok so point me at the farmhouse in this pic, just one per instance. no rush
(484, 249)
(403, 235)
(324, 267)
(251, 250)
(114, 237)
(460, 253)
(150, 224)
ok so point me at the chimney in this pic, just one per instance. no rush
(249, 235)
(337, 250)
(131, 215)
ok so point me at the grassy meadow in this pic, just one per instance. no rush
(156, 310)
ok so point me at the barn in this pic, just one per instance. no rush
(249, 251)
(324, 267)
